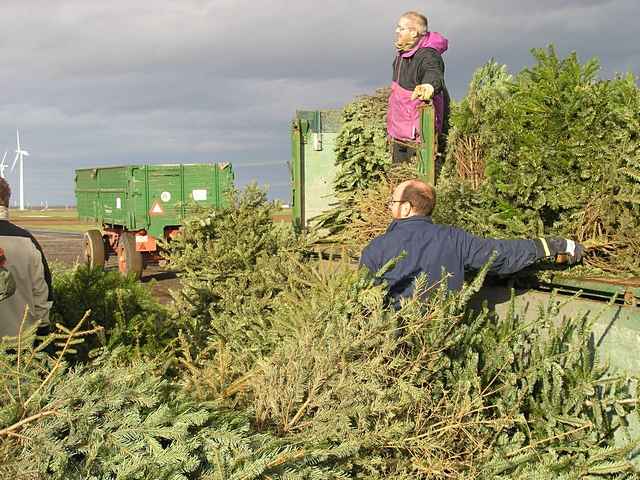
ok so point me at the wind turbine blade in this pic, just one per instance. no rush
(14, 161)
(18, 139)
(24, 152)
(3, 158)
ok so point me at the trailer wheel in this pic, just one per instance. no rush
(94, 252)
(129, 260)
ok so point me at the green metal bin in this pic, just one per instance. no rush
(313, 159)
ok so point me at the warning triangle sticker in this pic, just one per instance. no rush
(156, 209)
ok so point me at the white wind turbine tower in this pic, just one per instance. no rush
(19, 155)
(3, 165)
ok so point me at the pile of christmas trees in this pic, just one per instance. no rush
(272, 365)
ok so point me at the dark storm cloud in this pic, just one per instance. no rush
(94, 83)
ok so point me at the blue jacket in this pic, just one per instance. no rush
(430, 248)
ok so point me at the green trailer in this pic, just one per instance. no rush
(137, 205)
(612, 304)
(313, 166)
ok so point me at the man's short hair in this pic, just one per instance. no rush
(5, 192)
(421, 196)
(419, 20)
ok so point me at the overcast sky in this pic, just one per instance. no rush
(90, 82)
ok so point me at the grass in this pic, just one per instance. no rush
(52, 219)
(66, 213)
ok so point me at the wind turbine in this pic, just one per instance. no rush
(3, 165)
(19, 155)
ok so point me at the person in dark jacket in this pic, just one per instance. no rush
(430, 248)
(25, 276)
(418, 77)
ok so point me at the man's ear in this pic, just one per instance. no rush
(405, 209)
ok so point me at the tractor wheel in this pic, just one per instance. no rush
(94, 256)
(129, 260)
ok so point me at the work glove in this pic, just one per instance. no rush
(424, 92)
(562, 249)
(7, 282)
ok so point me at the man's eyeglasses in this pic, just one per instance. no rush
(392, 201)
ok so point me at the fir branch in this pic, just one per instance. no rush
(58, 362)
(11, 429)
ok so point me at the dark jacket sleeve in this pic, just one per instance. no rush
(512, 255)
(431, 69)
(371, 257)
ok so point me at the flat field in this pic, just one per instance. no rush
(66, 219)
(283, 215)
(53, 219)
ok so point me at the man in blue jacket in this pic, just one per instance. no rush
(430, 248)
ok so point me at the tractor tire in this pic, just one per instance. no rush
(130, 261)
(94, 251)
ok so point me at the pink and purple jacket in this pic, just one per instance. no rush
(422, 64)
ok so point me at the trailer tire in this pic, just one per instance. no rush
(130, 261)
(94, 251)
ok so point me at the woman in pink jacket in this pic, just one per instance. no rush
(418, 77)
